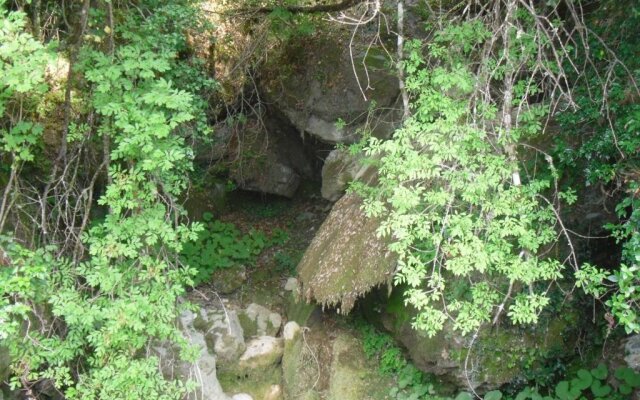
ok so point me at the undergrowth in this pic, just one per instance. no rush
(598, 383)
(221, 245)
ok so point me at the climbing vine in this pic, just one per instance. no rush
(89, 320)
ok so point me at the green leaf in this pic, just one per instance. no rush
(493, 395)
(600, 390)
(600, 372)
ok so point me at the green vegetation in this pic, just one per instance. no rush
(220, 245)
(412, 384)
(468, 199)
(85, 314)
(457, 208)
(518, 110)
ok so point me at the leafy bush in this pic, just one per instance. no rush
(452, 200)
(88, 324)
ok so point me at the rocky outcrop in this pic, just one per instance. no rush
(331, 81)
(172, 367)
(259, 164)
(257, 370)
(498, 356)
(346, 258)
(318, 365)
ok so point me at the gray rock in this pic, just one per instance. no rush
(241, 396)
(273, 178)
(269, 160)
(223, 333)
(228, 280)
(341, 168)
(204, 370)
(291, 330)
(499, 355)
(274, 393)
(324, 89)
(291, 285)
(260, 321)
(632, 352)
(262, 352)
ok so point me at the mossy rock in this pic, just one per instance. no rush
(297, 309)
(228, 280)
(346, 258)
(352, 376)
(258, 383)
(500, 355)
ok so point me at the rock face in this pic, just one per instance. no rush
(316, 365)
(261, 162)
(345, 259)
(223, 333)
(172, 367)
(322, 88)
(262, 352)
(228, 280)
(498, 356)
(258, 371)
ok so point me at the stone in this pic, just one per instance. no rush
(291, 285)
(223, 333)
(632, 352)
(346, 258)
(299, 310)
(241, 396)
(274, 393)
(260, 321)
(268, 160)
(499, 356)
(299, 371)
(262, 352)
(173, 368)
(290, 331)
(323, 89)
(349, 377)
(339, 170)
(228, 280)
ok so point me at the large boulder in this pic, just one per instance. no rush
(346, 257)
(499, 355)
(329, 363)
(351, 376)
(267, 157)
(258, 372)
(223, 333)
(321, 87)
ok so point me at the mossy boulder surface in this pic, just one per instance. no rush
(500, 354)
(346, 258)
(351, 376)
